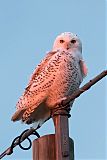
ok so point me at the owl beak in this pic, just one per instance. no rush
(68, 46)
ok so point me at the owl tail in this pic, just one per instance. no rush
(18, 115)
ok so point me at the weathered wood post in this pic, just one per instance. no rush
(57, 146)
(64, 145)
(44, 148)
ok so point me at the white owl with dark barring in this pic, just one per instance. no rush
(58, 75)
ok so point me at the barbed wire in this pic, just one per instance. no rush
(63, 104)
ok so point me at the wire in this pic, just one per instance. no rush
(19, 139)
(76, 94)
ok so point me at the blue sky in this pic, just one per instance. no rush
(27, 30)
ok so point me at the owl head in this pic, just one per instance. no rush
(67, 41)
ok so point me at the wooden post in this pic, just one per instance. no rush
(62, 141)
(61, 137)
(44, 148)
(56, 146)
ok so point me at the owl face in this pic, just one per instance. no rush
(67, 41)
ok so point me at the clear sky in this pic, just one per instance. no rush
(27, 30)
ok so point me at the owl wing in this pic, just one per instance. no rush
(32, 96)
(40, 67)
(83, 67)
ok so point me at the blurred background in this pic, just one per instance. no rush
(28, 29)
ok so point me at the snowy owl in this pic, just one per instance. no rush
(58, 75)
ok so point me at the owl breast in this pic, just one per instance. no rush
(67, 78)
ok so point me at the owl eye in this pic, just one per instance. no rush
(61, 41)
(73, 41)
